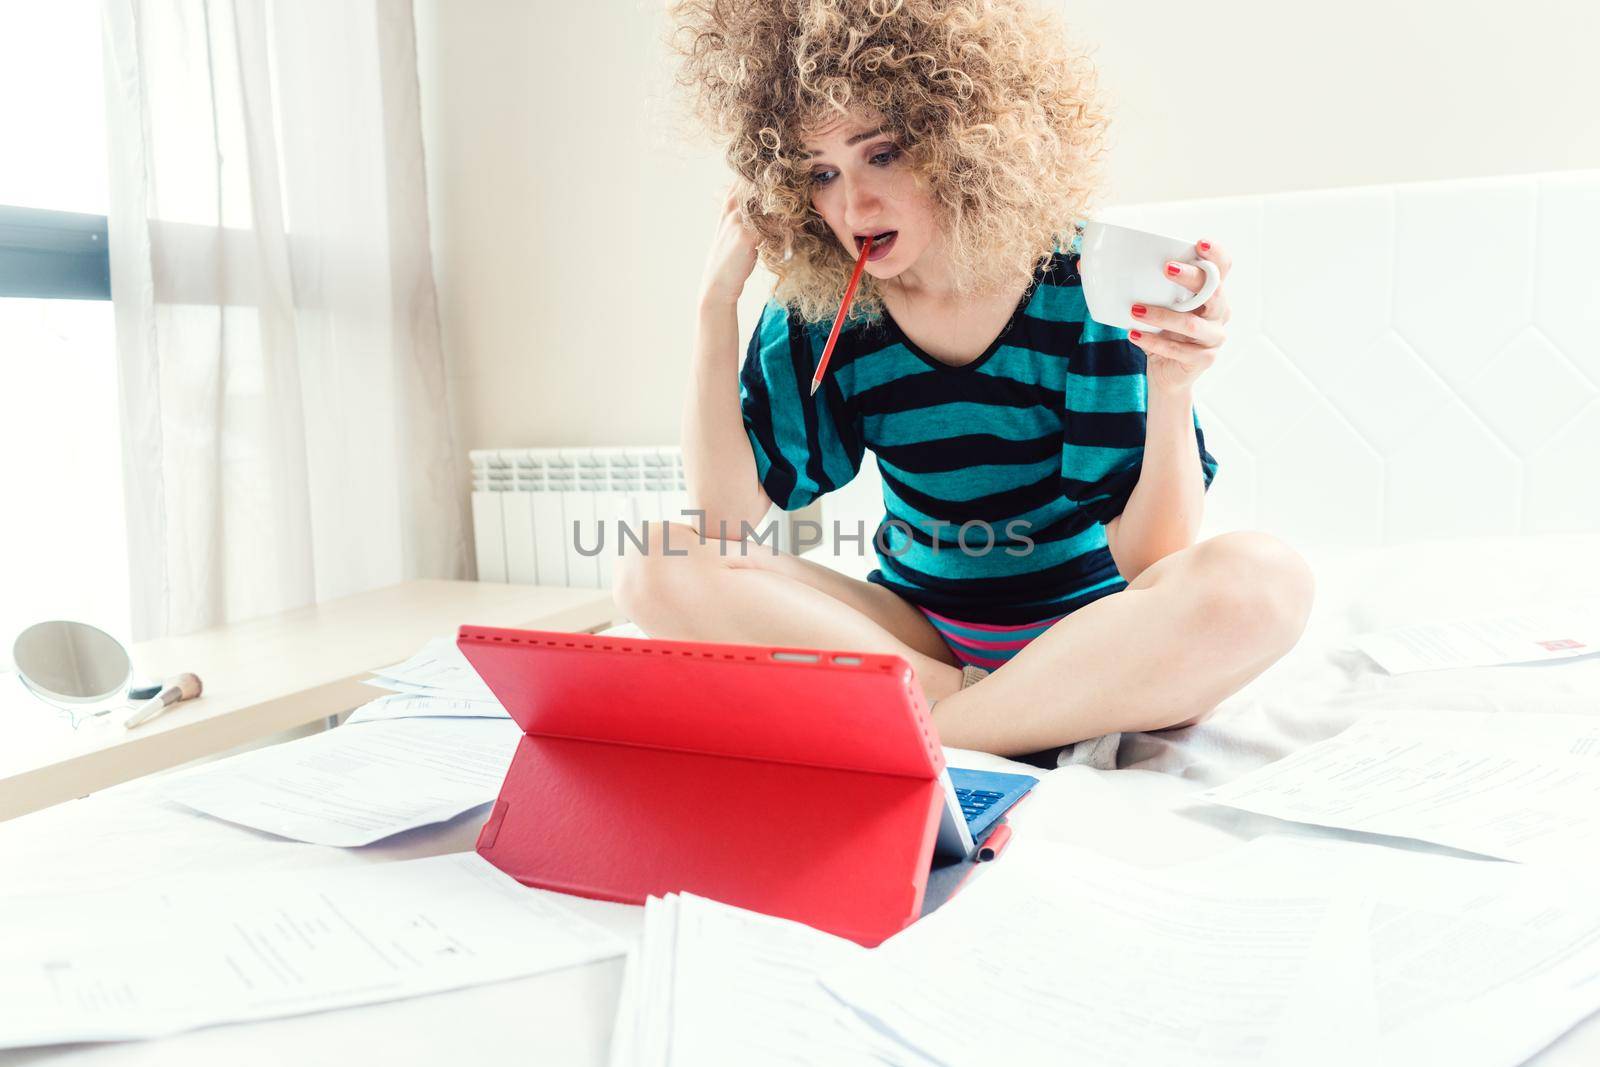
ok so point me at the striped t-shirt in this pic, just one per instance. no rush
(1041, 438)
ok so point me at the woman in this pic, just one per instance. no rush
(1044, 474)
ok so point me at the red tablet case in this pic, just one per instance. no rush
(802, 783)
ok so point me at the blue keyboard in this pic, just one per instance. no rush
(986, 795)
(974, 802)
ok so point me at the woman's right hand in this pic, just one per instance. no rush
(733, 253)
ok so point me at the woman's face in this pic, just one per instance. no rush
(862, 183)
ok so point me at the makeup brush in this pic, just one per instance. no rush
(181, 687)
(844, 308)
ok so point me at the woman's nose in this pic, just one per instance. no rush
(860, 206)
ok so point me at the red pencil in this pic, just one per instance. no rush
(849, 294)
(995, 843)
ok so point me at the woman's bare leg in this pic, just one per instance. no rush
(709, 591)
(1190, 630)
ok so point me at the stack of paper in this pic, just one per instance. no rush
(1280, 952)
(715, 984)
(1520, 787)
(436, 681)
(354, 785)
(159, 959)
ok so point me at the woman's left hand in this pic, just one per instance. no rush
(1188, 341)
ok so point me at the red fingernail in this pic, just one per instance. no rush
(1138, 309)
(1172, 268)
(1135, 334)
(1205, 246)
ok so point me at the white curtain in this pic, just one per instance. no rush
(286, 426)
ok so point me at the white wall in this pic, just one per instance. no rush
(570, 225)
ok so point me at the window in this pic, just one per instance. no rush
(63, 545)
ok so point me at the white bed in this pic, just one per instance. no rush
(1140, 814)
(1432, 454)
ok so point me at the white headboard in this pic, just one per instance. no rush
(1403, 362)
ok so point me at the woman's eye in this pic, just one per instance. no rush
(823, 177)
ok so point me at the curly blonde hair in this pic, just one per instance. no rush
(999, 118)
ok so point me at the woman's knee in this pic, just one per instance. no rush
(654, 569)
(1255, 582)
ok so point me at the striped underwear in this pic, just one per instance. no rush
(984, 644)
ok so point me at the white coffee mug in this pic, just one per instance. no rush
(1123, 267)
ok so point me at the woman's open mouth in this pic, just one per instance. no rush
(881, 243)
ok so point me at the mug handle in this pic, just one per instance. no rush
(1209, 286)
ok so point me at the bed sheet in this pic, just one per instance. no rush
(1141, 813)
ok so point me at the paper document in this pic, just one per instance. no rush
(1531, 795)
(354, 785)
(1541, 733)
(438, 669)
(199, 951)
(415, 706)
(1062, 956)
(1474, 963)
(1558, 633)
(716, 984)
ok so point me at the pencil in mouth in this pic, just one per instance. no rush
(879, 240)
(844, 307)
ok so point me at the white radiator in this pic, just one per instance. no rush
(525, 502)
(540, 514)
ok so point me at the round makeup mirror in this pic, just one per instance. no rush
(71, 662)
